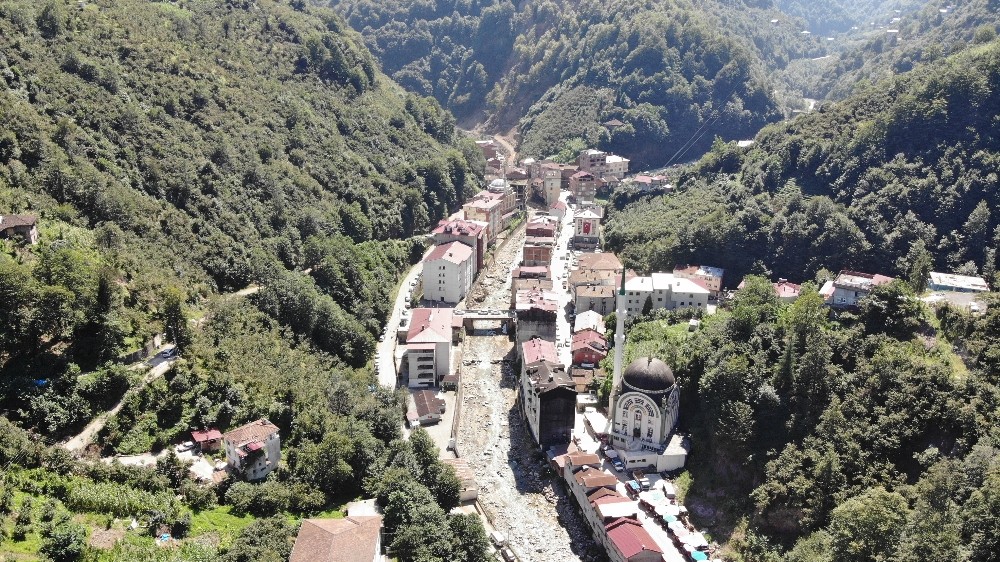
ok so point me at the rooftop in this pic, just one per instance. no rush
(206, 435)
(430, 325)
(590, 477)
(10, 221)
(630, 538)
(700, 270)
(460, 227)
(548, 375)
(860, 281)
(537, 349)
(454, 252)
(590, 338)
(351, 539)
(590, 319)
(664, 281)
(428, 403)
(534, 299)
(965, 282)
(600, 260)
(253, 431)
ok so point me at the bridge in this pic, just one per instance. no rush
(504, 317)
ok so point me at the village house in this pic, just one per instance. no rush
(24, 227)
(785, 290)
(850, 287)
(468, 490)
(428, 346)
(648, 183)
(583, 378)
(957, 283)
(588, 348)
(253, 450)
(207, 440)
(355, 538)
(470, 233)
(449, 271)
(583, 187)
(628, 541)
(428, 409)
(548, 400)
(602, 164)
(710, 277)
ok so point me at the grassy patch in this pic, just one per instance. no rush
(219, 520)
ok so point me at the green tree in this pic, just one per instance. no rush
(867, 527)
(891, 309)
(982, 519)
(934, 529)
(264, 540)
(921, 262)
(471, 543)
(174, 319)
(64, 541)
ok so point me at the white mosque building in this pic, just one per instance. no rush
(644, 408)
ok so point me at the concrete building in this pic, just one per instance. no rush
(664, 290)
(850, 287)
(583, 187)
(586, 229)
(602, 164)
(24, 227)
(588, 348)
(538, 250)
(428, 346)
(544, 226)
(253, 450)
(207, 440)
(710, 277)
(536, 315)
(448, 272)
(628, 541)
(589, 320)
(957, 283)
(488, 209)
(470, 233)
(548, 401)
(356, 538)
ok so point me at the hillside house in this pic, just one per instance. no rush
(355, 538)
(449, 271)
(850, 287)
(253, 450)
(602, 164)
(24, 227)
(710, 277)
(957, 283)
(207, 440)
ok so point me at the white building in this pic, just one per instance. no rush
(448, 272)
(253, 450)
(850, 287)
(602, 164)
(710, 277)
(586, 229)
(428, 346)
(664, 290)
(957, 283)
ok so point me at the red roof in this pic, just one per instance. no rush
(259, 430)
(255, 446)
(455, 252)
(537, 349)
(430, 325)
(786, 289)
(207, 435)
(589, 338)
(10, 221)
(558, 205)
(582, 175)
(630, 538)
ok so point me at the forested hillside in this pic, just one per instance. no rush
(174, 152)
(925, 32)
(670, 70)
(877, 182)
(838, 16)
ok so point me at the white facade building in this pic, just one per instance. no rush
(665, 291)
(448, 272)
(253, 450)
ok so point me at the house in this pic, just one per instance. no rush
(589, 320)
(468, 490)
(543, 226)
(356, 538)
(448, 272)
(583, 186)
(663, 290)
(488, 147)
(603, 261)
(549, 175)
(785, 290)
(19, 226)
(586, 229)
(538, 250)
(588, 348)
(548, 400)
(850, 287)
(428, 408)
(536, 285)
(537, 350)
(558, 210)
(711, 277)
(253, 450)
(583, 378)
(957, 283)
(428, 346)
(470, 233)
(584, 480)
(628, 541)
(207, 440)
(648, 183)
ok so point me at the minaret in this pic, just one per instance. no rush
(619, 338)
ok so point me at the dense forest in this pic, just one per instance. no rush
(672, 71)
(175, 152)
(884, 181)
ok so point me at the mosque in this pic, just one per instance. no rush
(644, 408)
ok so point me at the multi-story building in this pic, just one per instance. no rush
(448, 272)
(548, 400)
(428, 346)
(664, 290)
(488, 209)
(537, 312)
(586, 229)
(538, 250)
(602, 164)
(253, 450)
(583, 187)
(468, 232)
(588, 348)
(957, 283)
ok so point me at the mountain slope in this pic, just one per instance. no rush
(665, 68)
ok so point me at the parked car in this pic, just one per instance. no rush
(381, 338)
(508, 554)
(185, 446)
(618, 464)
